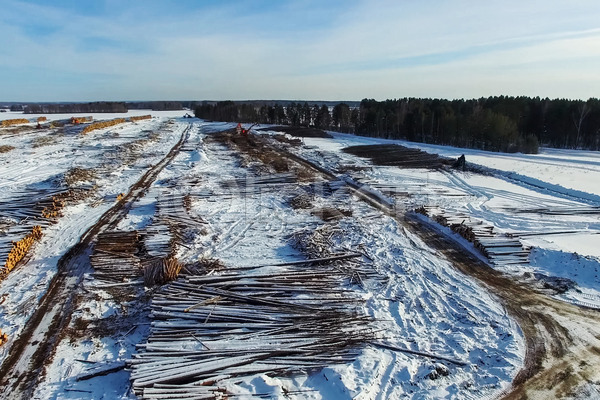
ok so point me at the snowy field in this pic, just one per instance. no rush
(415, 299)
(550, 200)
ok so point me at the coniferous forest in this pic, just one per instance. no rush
(506, 124)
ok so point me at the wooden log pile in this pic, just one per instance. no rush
(157, 240)
(214, 329)
(115, 256)
(16, 121)
(140, 118)
(320, 243)
(159, 271)
(400, 156)
(500, 249)
(255, 185)
(102, 125)
(21, 212)
(20, 249)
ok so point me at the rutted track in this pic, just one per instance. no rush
(24, 366)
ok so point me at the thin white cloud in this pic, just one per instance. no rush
(373, 49)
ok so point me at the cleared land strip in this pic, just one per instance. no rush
(24, 366)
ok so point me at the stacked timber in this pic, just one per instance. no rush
(500, 249)
(22, 211)
(400, 156)
(210, 331)
(173, 210)
(157, 240)
(251, 185)
(114, 258)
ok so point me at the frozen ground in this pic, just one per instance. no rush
(419, 301)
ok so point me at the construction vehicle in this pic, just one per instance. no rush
(240, 130)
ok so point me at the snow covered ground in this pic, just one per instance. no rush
(551, 200)
(419, 302)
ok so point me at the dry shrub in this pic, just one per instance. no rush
(328, 214)
(422, 210)
(43, 141)
(76, 175)
(302, 201)
(17, 121)
(103, 124)
(42, 119)
(203, 266)
(161, 271)
(314, 243)
(6, 148)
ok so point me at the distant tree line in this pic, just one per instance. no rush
(155, 105)
(339, 117)
(501, 123)
(95, 107)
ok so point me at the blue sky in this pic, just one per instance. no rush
(69, 50)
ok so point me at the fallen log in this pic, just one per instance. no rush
(103, 370)
(418, 353)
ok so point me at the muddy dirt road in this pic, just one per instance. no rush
(24, 366)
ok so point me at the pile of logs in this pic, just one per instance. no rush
(252, 185)
(400, 156)
(3, 338)
(500, 249)
(157, 240)
(115, 256)
(211, 330)
(16, 121)
(315, 243)
(19, 250)
(139, 118)
(319, 243)
(161, 270)
(102, 125)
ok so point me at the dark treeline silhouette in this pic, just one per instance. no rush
(96, 107)
(58, 108)
(507, 124)
(155, 105)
